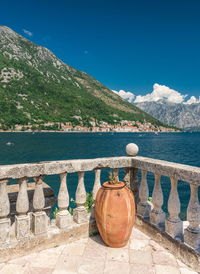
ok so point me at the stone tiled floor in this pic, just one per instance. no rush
(141, 255)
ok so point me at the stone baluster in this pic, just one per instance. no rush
(127, 176)
(80, 212)
(4, 211)
(173, 224)
(39, 216)
(116, 173)
(63, 217)
(134, 184)
(22, 221)
(97, 185)
(192, 232)
(143, 208)
(157, 216)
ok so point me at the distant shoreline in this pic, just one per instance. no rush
(57, 131)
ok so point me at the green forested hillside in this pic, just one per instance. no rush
(36, 87)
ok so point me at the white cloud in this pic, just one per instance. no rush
(126, 95)
(160, 92)
(192, 100)
(29, 33)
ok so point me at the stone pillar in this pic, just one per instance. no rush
(4, 211)
(80, 212)
(39, 216)
(134, 184)
(97, 185)
(157, 216)
(143, 208)
(127, 176)
(116, 173)
(192, 232)
(173, 224)
(63, 217)
(22, 221)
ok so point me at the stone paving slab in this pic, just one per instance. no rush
(92, 256)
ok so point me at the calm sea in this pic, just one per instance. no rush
(28, 148)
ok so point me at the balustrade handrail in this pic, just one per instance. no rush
(18, 171)
(187, 173)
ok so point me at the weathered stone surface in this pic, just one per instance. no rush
(144, 210)
(138, 244)
(118, 254)
(162, 239)
(174, 229)
(192, 238)
(38, 196)
(74, 249)
(90, 265)
(39, 223)
(178, 171)
(157, 218)
(12, 268)
(67, 264)
(4, 201)
(22, 227)
(13, 192)
(97, 183)
(22, 204)
(184, 270)
(63, 219)
(164, 257)
(140, 257)
(58, 167)
(116, 267)
(4, 231)
(80, 190)
(91, 255)
(80, 215)
(181, 172)
(160, 269)
(63, 195)
(142, 269)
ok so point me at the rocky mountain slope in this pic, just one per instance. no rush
(185, 116)
(36, 87)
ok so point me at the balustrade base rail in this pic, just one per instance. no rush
(53, 237)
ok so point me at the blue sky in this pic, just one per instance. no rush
(125, 44)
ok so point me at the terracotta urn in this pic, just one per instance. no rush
(115, 213)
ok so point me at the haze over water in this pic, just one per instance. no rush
(182, 148)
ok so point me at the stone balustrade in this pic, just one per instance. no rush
(171, 224)
(34, 225)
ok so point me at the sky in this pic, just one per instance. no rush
(125, 44)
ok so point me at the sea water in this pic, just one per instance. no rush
(27, 147)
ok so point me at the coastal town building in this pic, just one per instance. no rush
(101, 126)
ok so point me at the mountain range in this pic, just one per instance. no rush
(168, 105)
(184, 116)
(36, 88)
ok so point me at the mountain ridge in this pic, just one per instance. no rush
(168, 105)
(37, 87)
(184, 116)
